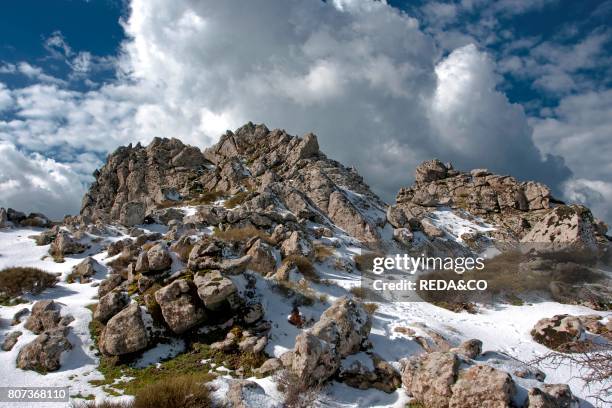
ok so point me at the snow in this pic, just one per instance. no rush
(503, 329)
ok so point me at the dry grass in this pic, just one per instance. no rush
(237, 199)
(17, 281)
(148, 245)
(119, 264)
(182, 391)
(206, 198)
(371, 308)
(304, 266)
(243, 234)
(365, 262)
(322, 252)
(358, 292)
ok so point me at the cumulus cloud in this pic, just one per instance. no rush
(38, 184)
(579, 130)
(360, 74)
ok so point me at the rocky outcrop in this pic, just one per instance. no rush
(135, 179)
(521, 211)
(158, 258)
(265, 172)
(180, 305)
(370, 372)
(124, 333)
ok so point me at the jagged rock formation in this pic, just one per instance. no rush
(270, 169)
(135, 179)
(521, 211)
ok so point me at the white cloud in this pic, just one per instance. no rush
(38, 184)
(6, 99)
(361, 75)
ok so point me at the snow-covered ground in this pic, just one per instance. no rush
(502, 329)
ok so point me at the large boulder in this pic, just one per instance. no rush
(482, 386)
(429, 378)
(345, 215)
(111, 282)
(124, 333)
(314, 360)
(559, 332)
(214, 289)
(45, 316)
(345, 324)
(44, 352)
(180, 305)
(110, 304)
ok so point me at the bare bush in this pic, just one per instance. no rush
(296, 392)
(592, 366)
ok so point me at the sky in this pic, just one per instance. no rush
(521, 87)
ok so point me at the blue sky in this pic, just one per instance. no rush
(521, 87)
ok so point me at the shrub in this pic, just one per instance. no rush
(243, 234)
(303, 265)
(322, 252)
(296, 392)
(182, 391)
(17, 281)
(371, 308)
(358, 292)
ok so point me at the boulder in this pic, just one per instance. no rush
(368, 372)
(429, 378)
(483, 386)
(110, 304)
(10, 340)
(132, 213)
(124, 333)
(109, 284)
(296, 245)
(180, 305)
(269, 367)
(65, 244)
(159, 258)
(558, 332)
(45, 316)
(214, 289)
(43, 354)
(21, 313)
(431, 170)
(346, 216)
(262, 258)
(552, 396)
(345, 324)
(142, 263)
(314, 360)
(469, 349)
(86, 269)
